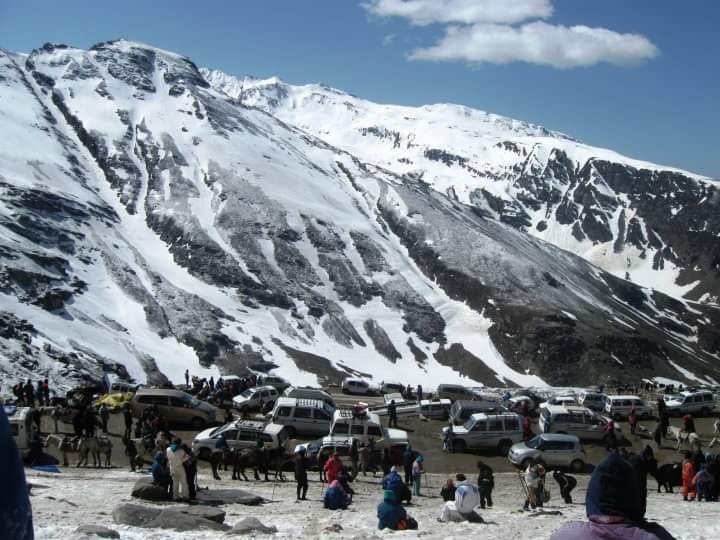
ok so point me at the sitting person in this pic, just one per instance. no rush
(392, 515)
(704, 484)
(394, 482)
(335, 497)
(344, 479)
(613, 506)
(448, 491)
(467, 498)
(161, 472)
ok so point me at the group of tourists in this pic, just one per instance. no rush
(176, 470)
(28, 394)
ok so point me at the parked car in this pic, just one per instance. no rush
(21, 426)
(391, 388)
(520, 404)
(363, 426)
(461, 410)
(565, 401)
(619, 407)
(310, 417)
(552, 449)
(241, 434)
(276, 382)
(487, 431)
(579, 421)
(594, 401)
(255, 398)
(355, 386)
(455, 392)
(306, 392)
(175, 406)
(699, 403)
(435, 409)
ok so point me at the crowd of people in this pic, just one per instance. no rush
(28, 394)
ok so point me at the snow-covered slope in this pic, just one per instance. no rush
(652, 224)
(151, 224)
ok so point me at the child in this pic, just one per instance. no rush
(448, 492)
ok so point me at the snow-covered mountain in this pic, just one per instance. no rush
(654, 225)
(151, 223)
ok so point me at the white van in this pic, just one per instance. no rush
(619, 407)
(254, 398)
(461, 410)
(302, 416)
(363, 426)
(454, 392)
(579, 421)
(595, 401)
(307, 392)
(355, 386)
(487, 431)
(21, 426)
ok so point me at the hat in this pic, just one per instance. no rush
(389, 495)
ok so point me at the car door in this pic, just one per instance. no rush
(321, 423)
(594, 427)
(303, 420)
(577, 424)
(478, 435)
(551, 452)
(231, 436)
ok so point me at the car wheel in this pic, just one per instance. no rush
(525, 463)
(577, 465)
(197, 423)
(459, 446)
(504, 447)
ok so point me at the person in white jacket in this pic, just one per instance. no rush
(467, 498)
(176, 457)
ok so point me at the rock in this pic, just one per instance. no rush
(134, 514)
(213, 514)
(252, 524)
(227, 496)
(176, 518)
(145, 489)
(97, 530)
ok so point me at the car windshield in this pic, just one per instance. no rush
(469, 424)
(534, 442)
(194, 403)
(247, 393)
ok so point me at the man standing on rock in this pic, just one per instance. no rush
(301, 466)
(392, 414)
(176, 458)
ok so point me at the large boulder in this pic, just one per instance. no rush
(250, 525)
(97, 530)
(177, 518)
(227, 496)
(147, 491)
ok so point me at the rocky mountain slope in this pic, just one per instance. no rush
(654, 225)
(151, 223)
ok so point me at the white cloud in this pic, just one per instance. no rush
(538, 43)
(388, 40)
(424, 12)
(498, 32)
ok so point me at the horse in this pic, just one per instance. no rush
(66, 444)
(684, 439)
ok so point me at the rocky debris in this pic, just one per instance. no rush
(146, 490)
(176, 518)
(383, 343)
(215, 497)
(252, 525)
(97, 530)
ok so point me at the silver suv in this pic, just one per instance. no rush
(699, 403)
(254, 398)
(486, 431)
(303, 416)
(579, 421)
(240, 434)
(552, 449)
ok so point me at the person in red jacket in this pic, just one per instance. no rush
(332, 468)
(688, 476)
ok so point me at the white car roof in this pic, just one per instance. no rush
(625, 397)
(485, 416)
(562, 409)
(558, 437)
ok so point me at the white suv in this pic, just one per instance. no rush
(619, 407)
(551, 449)
(592, 400)
(699, 403)
(254, 398)
(240, 434)
(302, 416)
(579, 421)
(487, 431)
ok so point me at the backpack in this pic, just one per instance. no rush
(407, 524)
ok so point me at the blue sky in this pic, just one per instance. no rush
(645, 80)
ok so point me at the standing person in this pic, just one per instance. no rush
(104, 417)
(301, 467)
(176, 458)
(130, 451)
(46, 392)
(532, 482)
(365, 459)
(448, 438)
(688, 475)
(39, 393)
(643, 465)
(127, 419)
(688, 423)
(29, 392)
(190, 466)
(332, 468)
(419, 393)
(566, 483)
(467, 498)
(90, 422)
(657, 434)
(486, 483)
(417, 472)
(633, 420)
(187, 378)
(211, 383)
(527, 429)
(408, 460)
(392, 414)
(354, 459)
(610, 437)
(15, 509)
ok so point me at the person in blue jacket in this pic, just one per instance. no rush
(335, 497)
(390, 512)
(15, 509)
(394, 483)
